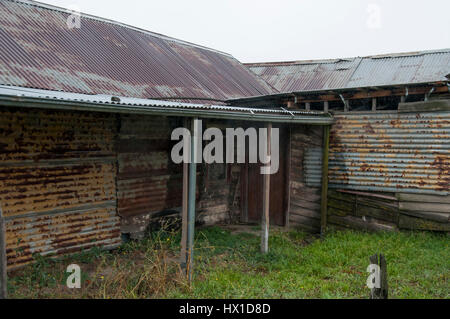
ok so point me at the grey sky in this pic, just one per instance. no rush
(281, 30)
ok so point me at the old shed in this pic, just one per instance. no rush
(390, 146)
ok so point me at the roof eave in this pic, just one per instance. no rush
(48, 103)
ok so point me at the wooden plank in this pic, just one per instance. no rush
(413, 223)
(342, 205)
(358, 223)
(369, 94)
(437, 217)
(337, 212)
(306, 204)
(311, 222)
(3, 263)
(306, 212)
(405, 197)
(266, 200)
(367, 194)
(430, 106)
(425, 207)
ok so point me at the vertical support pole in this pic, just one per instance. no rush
(288, 178)
(308, 106)
(324, 198)
(195, 133)
(326, 106)
(374, 104)
(265, 220)
(184, 210)
(3, 264)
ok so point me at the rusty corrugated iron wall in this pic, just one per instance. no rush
(57, 182)
(148, 181)
(391, 152)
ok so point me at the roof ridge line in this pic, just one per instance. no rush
(328, 61)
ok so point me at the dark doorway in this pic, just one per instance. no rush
(252, 192)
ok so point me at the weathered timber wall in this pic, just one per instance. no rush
(147, 181)
(219, 185)
(387, 211)
(57, 182)
(304, 209)
(219, 197)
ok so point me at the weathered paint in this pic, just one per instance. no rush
(391, 152)
(313, 166)
(57, 182)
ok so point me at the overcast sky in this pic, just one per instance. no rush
(281, 30)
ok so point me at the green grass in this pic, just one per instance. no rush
(230, 265)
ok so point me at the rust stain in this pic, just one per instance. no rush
(57, 182)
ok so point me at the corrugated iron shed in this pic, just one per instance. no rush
(387, 152)
(380, 70)
(38, 50)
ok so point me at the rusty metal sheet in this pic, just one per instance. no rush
(391, 152)
(61, 233)
(306, 75)
(381, 70)
(57, 182)
(105, 57)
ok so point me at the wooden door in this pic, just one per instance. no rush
(253, 192)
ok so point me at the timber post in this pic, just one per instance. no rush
(324, 196)
(3, 263)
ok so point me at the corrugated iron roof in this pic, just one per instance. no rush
(28, 97)
(379, 70)
(38, 50)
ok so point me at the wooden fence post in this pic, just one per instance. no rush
(382, 292)
(3, 264)
(324, 194)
